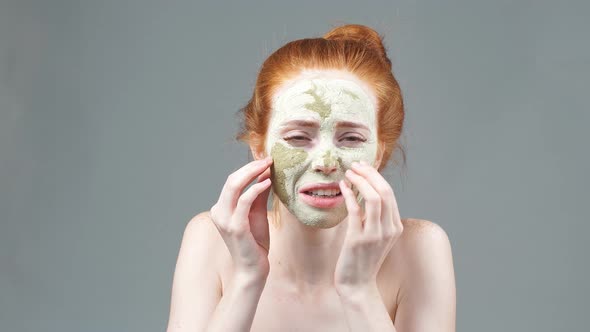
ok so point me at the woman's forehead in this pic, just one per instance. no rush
(307, 118)
(329, 87)
(326, 74)
(323, 99)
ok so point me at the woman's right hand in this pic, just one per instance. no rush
(241, 218)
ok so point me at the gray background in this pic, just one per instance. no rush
(117, 122)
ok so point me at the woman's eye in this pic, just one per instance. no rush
(353, 139)
(297, 140)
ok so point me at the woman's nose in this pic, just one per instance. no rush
(326, 163)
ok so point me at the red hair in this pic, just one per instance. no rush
(354, 48)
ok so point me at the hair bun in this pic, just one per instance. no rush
(362, 34)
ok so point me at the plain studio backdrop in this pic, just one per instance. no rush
(117, 121)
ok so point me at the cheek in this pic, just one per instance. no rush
(285, 158)
(286, 163)
(348, 156)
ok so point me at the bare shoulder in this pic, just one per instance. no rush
(196, 286)
(422, 237)
(202, 234)
(416, 236)
(423, 248)
(201, 222)
(420, 226)
(427, 294)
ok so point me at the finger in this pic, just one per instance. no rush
(388, 202)
(261, 201)
(392, 201)
(354, 210)
(238, 180)
(265, 175)
(372, 201)
(258, 218)
(247, 198)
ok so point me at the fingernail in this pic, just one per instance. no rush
(344, 187)
(364, 163)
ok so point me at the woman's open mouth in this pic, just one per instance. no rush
(322, 198)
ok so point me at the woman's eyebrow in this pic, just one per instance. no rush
(301, 123)
(349, 124)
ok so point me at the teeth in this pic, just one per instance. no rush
(324, 192)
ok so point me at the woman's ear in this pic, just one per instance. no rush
(257, 154)
(256, 146)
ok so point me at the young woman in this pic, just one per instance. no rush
(324, 119)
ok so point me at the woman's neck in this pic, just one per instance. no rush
(302, 256)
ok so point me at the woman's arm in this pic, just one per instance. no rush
(428, 299)
(196, 286)
(237, 307)
(197, 302)
(365, 311)
(428, 294)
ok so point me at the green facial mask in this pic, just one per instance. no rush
(284, 160)
(326, 101)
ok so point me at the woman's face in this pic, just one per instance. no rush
(319, 125)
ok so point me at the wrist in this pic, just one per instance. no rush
(249, 280)
(358, 293)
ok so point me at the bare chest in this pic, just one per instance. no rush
(279, 310)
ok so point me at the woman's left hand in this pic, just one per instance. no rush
(369, 238)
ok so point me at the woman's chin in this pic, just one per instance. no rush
(319, 218)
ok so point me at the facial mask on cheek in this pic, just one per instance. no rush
(290, 166)
(287, 163)
(328, 102)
